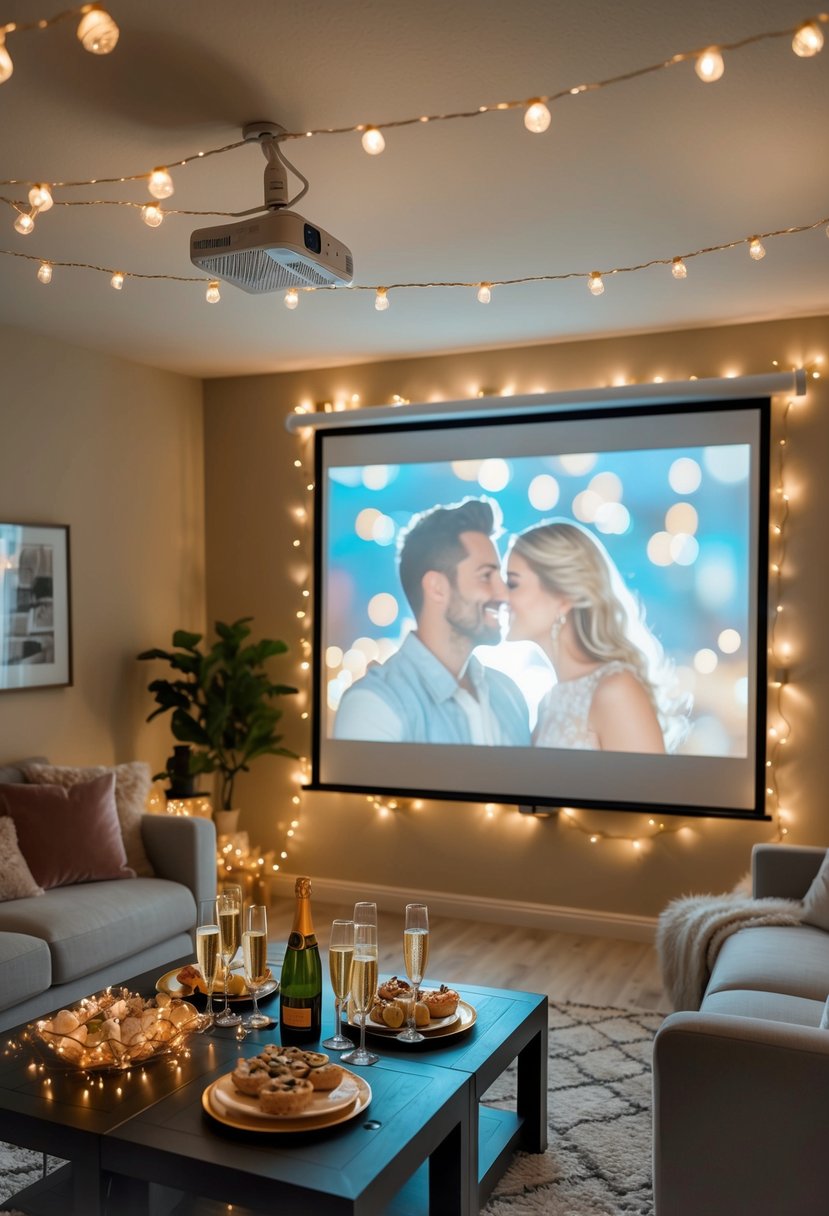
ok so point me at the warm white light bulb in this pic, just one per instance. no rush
(6, 65)
(117, 280)
(44, 273)
(212, 294)
(40, 196)
(97, 32)
(484, 293)
(808, 40)
(381, 300)
(24, 224)
(756, 249)
(595, 283)
(537, 117)
(678, 269)
(709, 65)
(373, 141)
(160, 184)
(291, 297)
(152, 215)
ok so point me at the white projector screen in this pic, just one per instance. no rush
(602, 645)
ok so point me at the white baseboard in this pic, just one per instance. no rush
(493, 911)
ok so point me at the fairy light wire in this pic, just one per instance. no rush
(779, 662)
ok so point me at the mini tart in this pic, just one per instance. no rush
(285, 1095)
(441, 1002)
(326, 1077)
(394, 988)
(250, 1075)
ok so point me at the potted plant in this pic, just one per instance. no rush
(222, 701)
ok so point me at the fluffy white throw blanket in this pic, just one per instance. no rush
(692, 929)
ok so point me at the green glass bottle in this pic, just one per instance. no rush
(300, 989)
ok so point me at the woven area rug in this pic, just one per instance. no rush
(598, 1162)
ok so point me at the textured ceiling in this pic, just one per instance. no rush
(656, 167)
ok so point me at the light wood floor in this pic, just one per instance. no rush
(567, 966)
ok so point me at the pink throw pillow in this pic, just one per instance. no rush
(68, 835)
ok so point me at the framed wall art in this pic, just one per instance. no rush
(35, 618)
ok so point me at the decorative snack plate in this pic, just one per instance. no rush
(169, 984)
(439, 1028)
(113, 1030)
(226, 1105)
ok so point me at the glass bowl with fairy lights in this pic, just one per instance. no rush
(113, 1030)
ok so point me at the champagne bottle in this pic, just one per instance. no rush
(300, 989)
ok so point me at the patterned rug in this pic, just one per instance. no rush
(598, 1162)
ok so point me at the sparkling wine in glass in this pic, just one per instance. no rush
(207, 952)
(363, 989)
(415, 957)
(229, 906)
(255, 961)
(340, 959)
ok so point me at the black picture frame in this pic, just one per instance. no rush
(35, 607)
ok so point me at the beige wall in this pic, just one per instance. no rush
(253, 569)
(115, 451)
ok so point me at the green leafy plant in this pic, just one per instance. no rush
(222, 701)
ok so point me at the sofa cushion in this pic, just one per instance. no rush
(25, 968)
(770, 1006)
(793, 960)
(132, 788)
(68, 835)
(90, 926)
(11, 774)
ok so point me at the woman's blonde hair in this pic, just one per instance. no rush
(607, 618)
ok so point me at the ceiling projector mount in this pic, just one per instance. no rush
(276, 250)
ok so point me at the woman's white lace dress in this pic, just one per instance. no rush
(564, 710)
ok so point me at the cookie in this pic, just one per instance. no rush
(285, 1095)
(326, 1077)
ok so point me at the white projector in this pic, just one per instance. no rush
(272, 252)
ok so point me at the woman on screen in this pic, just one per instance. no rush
(567, 596)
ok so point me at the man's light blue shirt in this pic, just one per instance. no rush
(412, 698)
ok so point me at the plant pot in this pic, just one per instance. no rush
(226, 821)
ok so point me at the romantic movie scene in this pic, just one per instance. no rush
(592, 601)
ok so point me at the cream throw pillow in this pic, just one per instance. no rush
(16, 881)
(132, 787)
(816, 899)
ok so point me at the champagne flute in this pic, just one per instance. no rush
(229, 905)
(340, 958)
(255, 959)
(363, 988)
(365, 913)
(415, 956)
(207, 953)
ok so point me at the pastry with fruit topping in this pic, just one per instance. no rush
(441, 1002)
(285, 1095)
(394, 988)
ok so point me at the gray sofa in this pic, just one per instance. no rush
(741, 1087)
(58, 947)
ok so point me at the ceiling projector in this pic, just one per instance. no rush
(278, 249)
(272, 252)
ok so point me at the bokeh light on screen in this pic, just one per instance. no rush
(544, 492)
(378, 476)
(729, 641)
(578, 463)
(684, 475)
(681, 517)
(382, 609)
(333, 656)
(355, 661)
(585, 506)
(494, 475)
(369, 648)
(659, 549)
(608, 487)
(467, 470)
(612, 518)
(365, 521)
(741, 691)
(716, 579)
(705, 661)
(382, 530)
(728, 464)
(684, 549)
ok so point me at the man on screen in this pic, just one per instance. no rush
(433, 689)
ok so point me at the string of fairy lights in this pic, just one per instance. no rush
(572, 819)
(99, 34)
